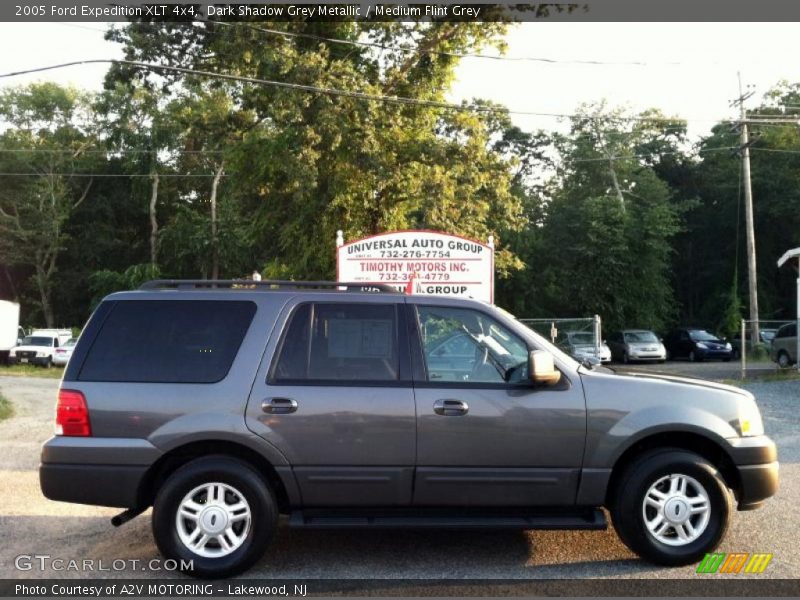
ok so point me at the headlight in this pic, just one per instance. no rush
(12, 354)
(41, 354)
(750, 423)
(702, 345)
(728, 346)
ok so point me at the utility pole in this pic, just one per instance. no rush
(755, 337)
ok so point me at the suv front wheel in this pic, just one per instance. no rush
(671, 507)
(216, 514)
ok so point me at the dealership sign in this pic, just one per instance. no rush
(427, 262)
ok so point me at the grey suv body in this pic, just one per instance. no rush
(224, 405)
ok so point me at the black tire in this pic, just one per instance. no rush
(625, 358)
(48, 364)
(784, 360)
(627, 505)
(694, 357)
(230, 471)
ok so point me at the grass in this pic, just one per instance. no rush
(778, 375)
(32, 371)
(6, 410)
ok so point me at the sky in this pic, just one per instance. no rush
(698, 88)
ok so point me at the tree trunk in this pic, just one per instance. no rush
(214, 236)
(44, 296)
(153, 220)
(615, 181)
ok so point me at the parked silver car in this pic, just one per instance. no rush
(631, 345)
(580, 345)
(62, 355)
(783, 349)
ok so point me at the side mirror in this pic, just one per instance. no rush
(542, 368)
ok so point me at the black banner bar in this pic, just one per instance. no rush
(401, 10)
(701, 586)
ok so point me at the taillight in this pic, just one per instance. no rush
(72, 414)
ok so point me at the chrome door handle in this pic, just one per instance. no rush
(279, 406)
(450, 408)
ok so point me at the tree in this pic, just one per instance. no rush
(309, 164)
(46, 145)
(603, 229)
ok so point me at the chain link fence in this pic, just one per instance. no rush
(580, 337)
(765, 346)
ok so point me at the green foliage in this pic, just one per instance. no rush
(6, 410)
(617, 217)
(105, 282)
(730, 324)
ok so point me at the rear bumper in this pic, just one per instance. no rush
(101, 485)
(98, 471)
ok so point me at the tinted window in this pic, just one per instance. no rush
(38, 341)
(172, 341)
(350, 342)
(469, 346)
(787, 331)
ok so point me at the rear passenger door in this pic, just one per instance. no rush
(338, 401)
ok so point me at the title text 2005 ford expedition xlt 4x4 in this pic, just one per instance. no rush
(224, 404)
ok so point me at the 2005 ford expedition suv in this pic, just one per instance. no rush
(224, 404)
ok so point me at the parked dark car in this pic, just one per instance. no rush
(696, 344)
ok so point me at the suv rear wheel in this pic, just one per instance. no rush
(783, 359)
(217, 512)
(671, 507)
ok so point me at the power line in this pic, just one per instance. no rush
(401, 100)
(779, 150)
(376, 45)
(652, 154)
(109, 175)
(106, 152)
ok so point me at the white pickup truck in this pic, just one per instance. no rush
(39, 347)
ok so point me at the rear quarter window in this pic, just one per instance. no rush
(168, 341)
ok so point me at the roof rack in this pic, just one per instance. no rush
(265, 285)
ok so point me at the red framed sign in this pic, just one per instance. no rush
(433, 262)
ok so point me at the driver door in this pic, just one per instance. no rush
(485, 435)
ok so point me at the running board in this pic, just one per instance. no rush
(319, 519)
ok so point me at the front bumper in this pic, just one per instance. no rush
(713, 353)
(98, 471)
(36, 360)
(756, 461)
(646, 356)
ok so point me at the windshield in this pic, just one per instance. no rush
(634, 337)
(583, 339)
(701, 335)
(540, 342)
(37, 341)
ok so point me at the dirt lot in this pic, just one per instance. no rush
(30, 524)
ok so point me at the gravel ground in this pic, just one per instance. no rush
(31, 524)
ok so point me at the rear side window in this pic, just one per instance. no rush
(339, 342)
(168, 341)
